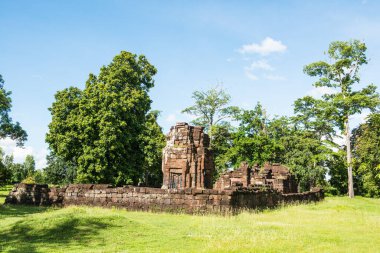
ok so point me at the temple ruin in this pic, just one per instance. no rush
(187, 161)
(271, 176)
(187, 168)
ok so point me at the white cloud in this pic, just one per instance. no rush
(266, 47)
(262, 64)
(250, 75)
(317, 92)
(275, 77)
(19, 153)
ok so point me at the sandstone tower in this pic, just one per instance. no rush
(187, 161)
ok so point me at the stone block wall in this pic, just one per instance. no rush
(149, 199)
(234, 178)
(246, 198)
(271, 176)
(156, 199)
(29, 194)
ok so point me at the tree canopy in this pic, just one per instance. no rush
(211, 107)
(346, 58)
(99, 128)
(8, 128)
(366, 153)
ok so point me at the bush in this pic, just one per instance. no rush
(29, 180)
(331, 191)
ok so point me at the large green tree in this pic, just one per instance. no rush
(8, 128)
(340, 74)
(211, 108)
(251, 141)
(222, 143)
(306, 156)
(366, 153)
(212, 111)
(152, 142)
(58, 171)
(5, 172)
(99, 128)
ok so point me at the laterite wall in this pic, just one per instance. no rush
(156, 199)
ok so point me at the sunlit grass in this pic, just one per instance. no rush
(4, 190)
(334, 225)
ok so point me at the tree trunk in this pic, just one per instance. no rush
(349, 165)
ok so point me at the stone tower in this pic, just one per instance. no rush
(187, 160)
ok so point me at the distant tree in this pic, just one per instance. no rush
(310, 116)
(58, 171)
(211, 108)
(18, 171)
(39, 177)
(306, 156)
(212, 111)
(5, 173)
(99, 128)
(337, 171)
(366, 153)
(7, 127)
(341, 74)
(251, 141)
(30, 165)
(221, 144)
(152, 141)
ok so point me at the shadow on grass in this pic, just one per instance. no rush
(19, 210)
(28, 235)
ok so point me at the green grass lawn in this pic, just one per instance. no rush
(334, 225)
(4, 190)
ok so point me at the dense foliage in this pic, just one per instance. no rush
(340, 75)
(106, 132)
(100, 128)
(7, 127)
(211, 108)
(366, 151)
(305, 142)
(11, 172)
(58, 171)
(152, 142)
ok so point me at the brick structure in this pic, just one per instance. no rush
(187, 161)
(275, 176)
(271, 176)
(189, 200)
(235, 178)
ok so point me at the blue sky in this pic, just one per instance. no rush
(255, 49)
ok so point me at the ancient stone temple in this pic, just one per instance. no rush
(275, 176)
(187, 161)
(271, 176)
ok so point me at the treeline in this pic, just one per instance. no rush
(314, 159)
(306, 142)
(107, 132)
(12, 172)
